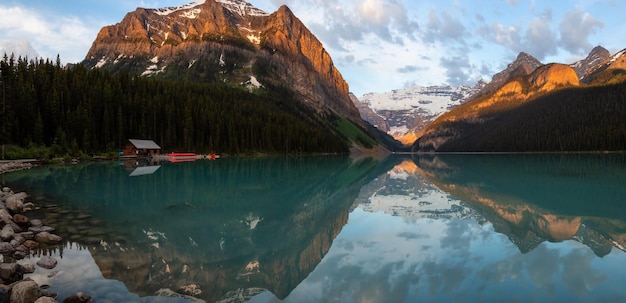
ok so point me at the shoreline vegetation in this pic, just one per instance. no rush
(19, 235)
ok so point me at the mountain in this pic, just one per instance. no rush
(227, 41)
(523, 65)
(545, 109)
(610, 70)
(370, 115)
(404, 112)
(597, 55)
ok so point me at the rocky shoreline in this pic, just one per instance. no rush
(14, 166)
(18, 236)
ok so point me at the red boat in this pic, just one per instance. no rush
(183, 157)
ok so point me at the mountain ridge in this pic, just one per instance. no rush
(226, 41)
(548, 109)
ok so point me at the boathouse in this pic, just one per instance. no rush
(138, 147)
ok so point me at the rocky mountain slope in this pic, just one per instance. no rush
(402, 113)
(227, 41)
(539, 110)
(523, 65)
(610, 70)
(597, 55)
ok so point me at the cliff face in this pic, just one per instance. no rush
(552, 76)
(306, 66)
(227, 41)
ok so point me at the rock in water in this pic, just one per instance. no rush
(78, 297)
(11, 272)
(15, 203)
(47, 262)
(46, 237)
(25, 292)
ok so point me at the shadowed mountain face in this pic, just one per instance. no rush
(225, 41)
(534, 198)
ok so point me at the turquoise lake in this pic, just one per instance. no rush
(433, 228)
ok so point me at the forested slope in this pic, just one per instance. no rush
(92, 111)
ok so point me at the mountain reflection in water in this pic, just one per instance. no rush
(327, 229)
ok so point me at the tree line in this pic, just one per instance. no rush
(75, 109)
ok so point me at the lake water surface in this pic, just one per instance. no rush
(444, 228)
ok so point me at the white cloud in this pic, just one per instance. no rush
(446, 27)
(65, 35)
(540, 39)
(507, 36)
(18, 49)
(536, 38)
(575, 28)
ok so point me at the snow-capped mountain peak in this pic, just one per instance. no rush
(238, 7)
(409, 109)
(242, 8)
(169, 10)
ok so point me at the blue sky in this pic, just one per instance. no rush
(378, 45)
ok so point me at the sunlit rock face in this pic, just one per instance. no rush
(226, 41)
(545, 78)
(553, 76)
(522, 66)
